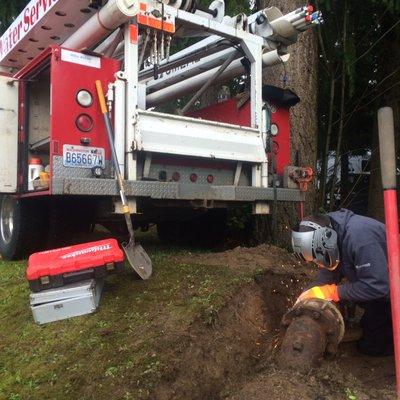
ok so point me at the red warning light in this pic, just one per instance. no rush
(84, 123)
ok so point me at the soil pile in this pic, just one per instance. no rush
(261, 257)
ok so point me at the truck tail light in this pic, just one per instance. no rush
(84, 123)
(210, 178)
(84, 98)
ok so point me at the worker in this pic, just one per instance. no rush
(350, 252)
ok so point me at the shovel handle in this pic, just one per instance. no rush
(131, 249)
(388, 170)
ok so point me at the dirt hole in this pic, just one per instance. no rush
(213, 361)
(234, 358)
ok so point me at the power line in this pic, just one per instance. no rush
(374, 44)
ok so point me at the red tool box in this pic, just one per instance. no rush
(55, 268)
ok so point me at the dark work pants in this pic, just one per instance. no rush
(377, 328)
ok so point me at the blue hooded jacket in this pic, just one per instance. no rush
(363, 258)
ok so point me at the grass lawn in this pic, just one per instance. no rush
(122, 350)
(203, 327)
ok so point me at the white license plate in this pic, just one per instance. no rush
(83, 157)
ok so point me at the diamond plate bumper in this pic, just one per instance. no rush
(171, 190)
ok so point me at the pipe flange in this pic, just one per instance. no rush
(325, 312)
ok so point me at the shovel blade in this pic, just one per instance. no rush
(138, 259)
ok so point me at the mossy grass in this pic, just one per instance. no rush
(123, 349)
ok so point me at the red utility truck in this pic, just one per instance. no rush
(181, 168)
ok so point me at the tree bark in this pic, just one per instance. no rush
(302, 73)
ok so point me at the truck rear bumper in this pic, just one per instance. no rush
(172, 190)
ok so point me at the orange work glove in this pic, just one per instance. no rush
(326, 292)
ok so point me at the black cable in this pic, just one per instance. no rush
(285, 75)
(237, 46)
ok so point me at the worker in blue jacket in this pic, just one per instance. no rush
(350, 251)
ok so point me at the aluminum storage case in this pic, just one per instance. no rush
(72, 300)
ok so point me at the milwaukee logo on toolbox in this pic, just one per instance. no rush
(93, 249)
(50, 269)
(32, 13)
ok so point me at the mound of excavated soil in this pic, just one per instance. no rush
(264, 257)
(235, 359)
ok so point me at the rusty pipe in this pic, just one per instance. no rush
(313, 328)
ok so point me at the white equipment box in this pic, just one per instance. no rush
(72, 300)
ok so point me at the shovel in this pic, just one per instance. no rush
(137, 257)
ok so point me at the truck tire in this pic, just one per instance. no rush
(21, 227)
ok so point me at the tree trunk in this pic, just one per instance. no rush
(302, 73)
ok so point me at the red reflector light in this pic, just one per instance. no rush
(84, 123)
(210, 179)
(193, 178)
